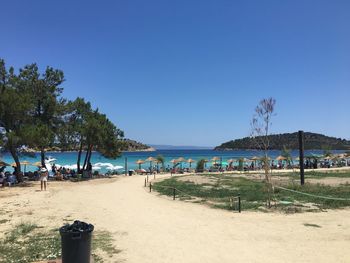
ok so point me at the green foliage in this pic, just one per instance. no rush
(220, 188)
(200, 165)
(160, 160)
(33, 113)
(240, 164)
(289, 140)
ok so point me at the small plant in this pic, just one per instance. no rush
(200, 165)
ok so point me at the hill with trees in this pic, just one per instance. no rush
(313, 141)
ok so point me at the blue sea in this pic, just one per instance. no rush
(70, 158)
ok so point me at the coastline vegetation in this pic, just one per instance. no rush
(217, 190)
(34, 114)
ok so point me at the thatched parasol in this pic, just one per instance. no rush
(24, 163)
(215, 159)
(181, 160)
(2, 163)
(150, 160)
(139, 162)
(37, 164)
(190, 161)
(281, 158)
(255, 158)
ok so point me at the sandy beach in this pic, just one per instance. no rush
(151, 228)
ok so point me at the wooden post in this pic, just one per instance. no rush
(301, 156)
(126, 166)
(154, 176)
(145, 182)
(174, 193)
(239, 203)
(150, 187)
(147, 178)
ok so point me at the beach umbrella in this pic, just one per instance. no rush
(190, 161)
(181, 160)
(150, 160)
(281, 158)
(342, 155)
(215, 159)
(37, 164)
(24, 163)
(2, 163)
(139, 162)
(174, 161)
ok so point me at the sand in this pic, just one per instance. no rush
(152, 228)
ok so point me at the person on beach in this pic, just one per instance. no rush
(43, 178)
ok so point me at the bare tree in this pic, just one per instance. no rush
(261, 124)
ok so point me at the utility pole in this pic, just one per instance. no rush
(301, 156)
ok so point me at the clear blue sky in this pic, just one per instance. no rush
(192, 72)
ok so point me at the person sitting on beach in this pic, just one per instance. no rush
(11, 179)
(43, 178)
(2, 179)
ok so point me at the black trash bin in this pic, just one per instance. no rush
(131, 172)
(76, 242)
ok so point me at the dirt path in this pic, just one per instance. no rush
(150, 228)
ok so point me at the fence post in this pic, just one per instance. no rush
(239, 203)
(154, 176)
(150, 187)
(147, 178)
(145, 182)
(174, 193)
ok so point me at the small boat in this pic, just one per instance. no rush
(50, 159)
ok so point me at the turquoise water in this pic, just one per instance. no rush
(69, 158)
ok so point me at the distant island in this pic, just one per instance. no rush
(180, 147)
(134, 146)
(313, 141)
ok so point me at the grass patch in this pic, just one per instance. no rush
(315, 174)
(2, 221)
(253, 194)
(103, 245)
(28, 242)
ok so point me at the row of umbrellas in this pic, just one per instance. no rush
(25, 163)
(190, 161)
(244, 160)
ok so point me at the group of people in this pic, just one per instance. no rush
(8, 179)
(61, 173)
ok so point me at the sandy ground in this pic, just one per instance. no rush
(152, 228)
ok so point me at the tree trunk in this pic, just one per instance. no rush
(90, 153)
(42, 155)
(18, 164)
(86, 157)
(89, 158)
(79, 156)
